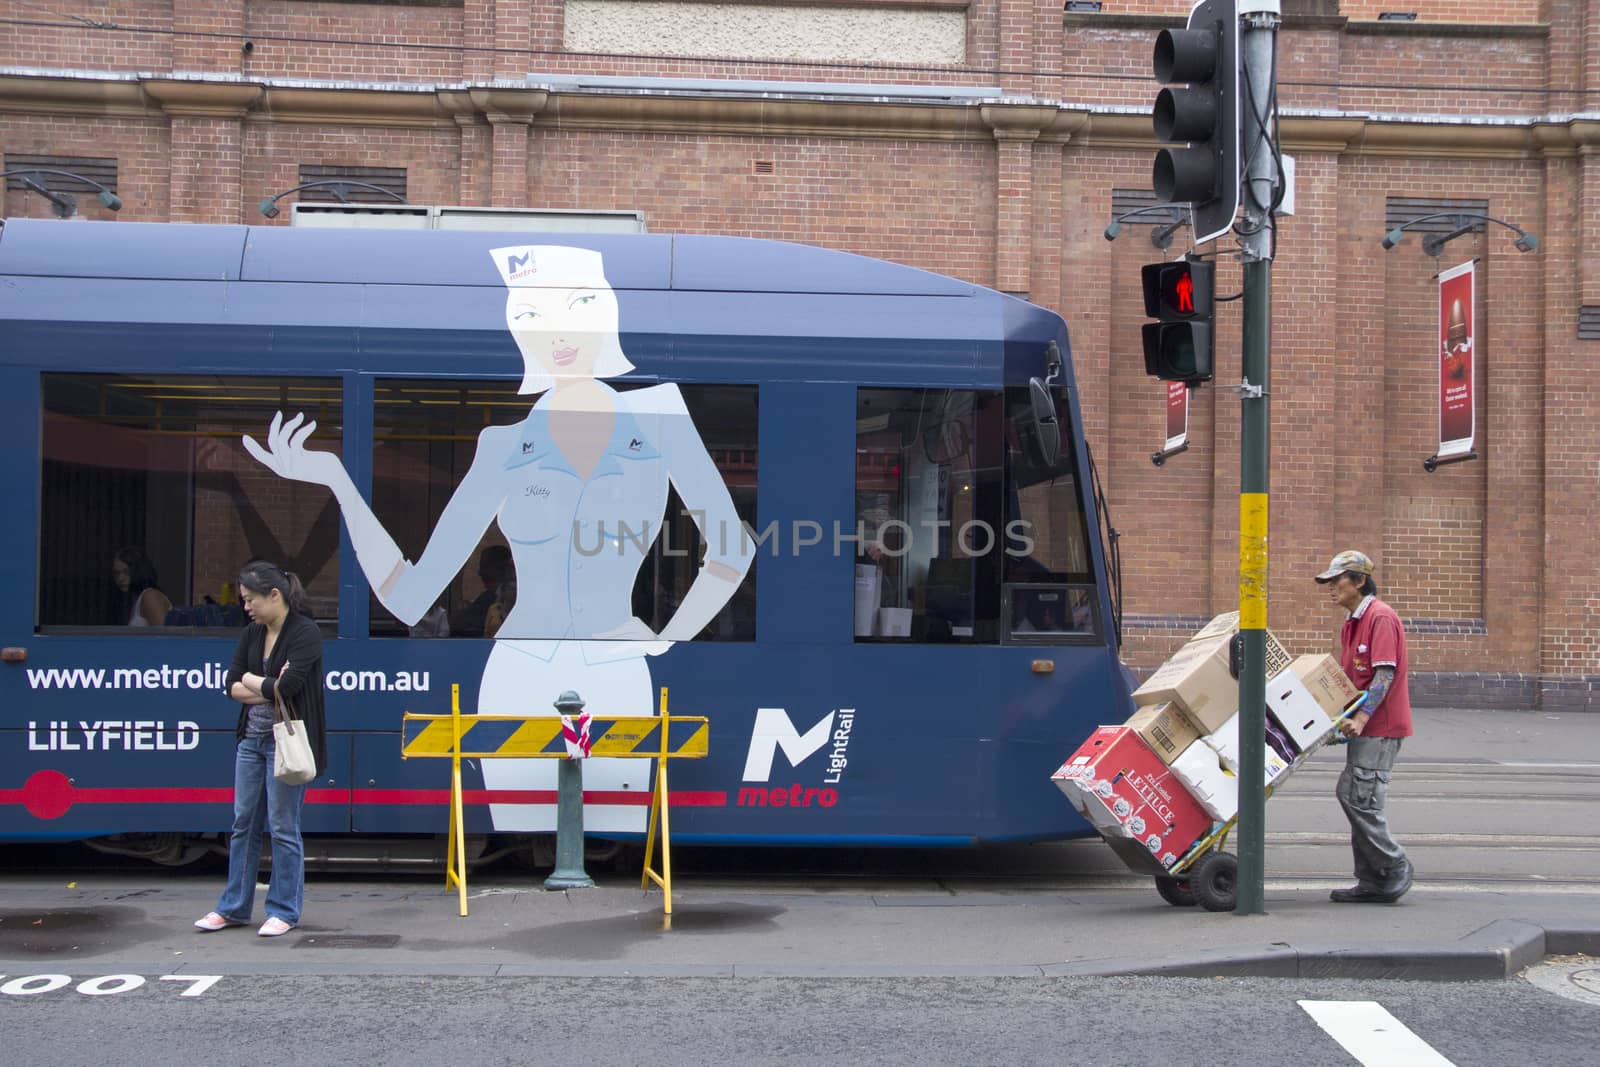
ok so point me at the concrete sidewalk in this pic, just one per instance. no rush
(124, 925)
(1489, 898)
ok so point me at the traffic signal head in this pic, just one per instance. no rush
(1202, 115)
(1181, 294)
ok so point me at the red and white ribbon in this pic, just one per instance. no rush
(576, 735)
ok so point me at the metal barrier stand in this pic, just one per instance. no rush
(531, 737)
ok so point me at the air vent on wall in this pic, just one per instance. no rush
(99, 170)
(1589, 323)
(389, 179)
(1125, 200)
(1403, 210)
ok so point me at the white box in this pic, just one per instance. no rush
(868, 585)
(1225, 743)
(1215, 787)
(1292, 707)
(1201, 773)
(894, 622)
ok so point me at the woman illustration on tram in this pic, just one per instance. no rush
(579, 489)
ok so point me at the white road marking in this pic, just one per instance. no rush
(1548, 765)
(1368, 1032)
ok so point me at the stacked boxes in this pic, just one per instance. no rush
(1156, 784)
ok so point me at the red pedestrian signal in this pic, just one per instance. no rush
(1181, 295)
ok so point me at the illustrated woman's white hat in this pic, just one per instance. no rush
(550, 266)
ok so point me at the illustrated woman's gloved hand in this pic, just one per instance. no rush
(287, 456)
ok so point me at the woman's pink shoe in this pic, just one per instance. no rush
(211, 922)
(274, 927)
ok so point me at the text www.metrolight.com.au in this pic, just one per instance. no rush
(210, 676)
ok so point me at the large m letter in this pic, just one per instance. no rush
(774, 730)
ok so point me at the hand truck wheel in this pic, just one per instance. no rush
(1214, 881)
(1175, 891)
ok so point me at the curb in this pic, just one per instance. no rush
(1500, 950)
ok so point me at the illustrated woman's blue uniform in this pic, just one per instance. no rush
(577, 544)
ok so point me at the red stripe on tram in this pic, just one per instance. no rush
(51, 794)
(626, 798)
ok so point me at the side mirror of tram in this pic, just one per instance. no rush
(1047, 431)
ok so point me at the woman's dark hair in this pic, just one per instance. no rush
(141, 572)
(261, 577)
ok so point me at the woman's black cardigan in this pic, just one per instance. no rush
(300, 645)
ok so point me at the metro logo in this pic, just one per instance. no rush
(774, 730)
(519, 266)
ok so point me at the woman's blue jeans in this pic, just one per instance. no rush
(261, 801)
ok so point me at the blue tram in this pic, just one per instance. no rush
(840, 506)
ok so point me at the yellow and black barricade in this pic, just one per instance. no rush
(456, 737)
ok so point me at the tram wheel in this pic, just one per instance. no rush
(1175, 891)
(1214, 880)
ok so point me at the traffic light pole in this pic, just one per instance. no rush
(1258, 35)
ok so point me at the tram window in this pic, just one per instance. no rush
(145, 476)
(425, 440)
(928, 508)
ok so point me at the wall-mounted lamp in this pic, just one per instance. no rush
(64, 204)
(1161, 236)
(1465, 222)
(337, 188)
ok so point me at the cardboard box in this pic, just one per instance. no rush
(1126, 791)
(1196, 678)
(1216, 788)
(1328, 684)
(1227, 625)
(1165, 729)
(1296, 711)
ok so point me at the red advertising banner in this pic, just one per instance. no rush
(1457, 359)
(1177, 415)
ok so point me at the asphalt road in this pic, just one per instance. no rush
(375, 1020)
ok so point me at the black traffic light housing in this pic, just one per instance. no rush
(1182, 295)
(1203, 115)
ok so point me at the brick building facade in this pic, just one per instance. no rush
(207, 106)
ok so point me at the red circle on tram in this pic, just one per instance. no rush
(47, 794)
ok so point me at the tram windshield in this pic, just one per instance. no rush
(969, 534)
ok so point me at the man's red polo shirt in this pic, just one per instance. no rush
(1373, 637)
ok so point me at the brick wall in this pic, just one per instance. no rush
(1492, 561)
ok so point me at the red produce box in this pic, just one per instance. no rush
(1124, 788)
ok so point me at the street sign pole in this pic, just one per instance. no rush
(1258, 41)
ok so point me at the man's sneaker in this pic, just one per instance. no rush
(1403, 887)
(274, 927)
(1358, 894)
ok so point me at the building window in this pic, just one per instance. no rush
(150, 504)
(427, 438)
